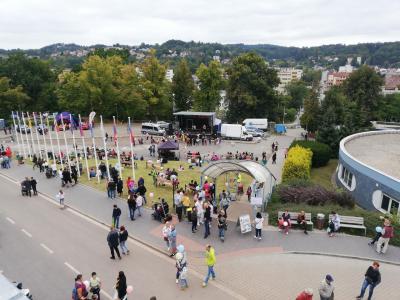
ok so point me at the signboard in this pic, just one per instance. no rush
(245, 224)
(256, 201)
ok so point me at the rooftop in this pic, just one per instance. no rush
(194, 113)
(379, 150)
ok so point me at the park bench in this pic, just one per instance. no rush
(293, 218)
(351, 222)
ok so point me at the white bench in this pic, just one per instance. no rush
(293, 218)
(351, 222)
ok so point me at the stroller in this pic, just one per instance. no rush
(25, 189)
(49, 173)
(161, 212)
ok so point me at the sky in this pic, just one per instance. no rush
(28, 24)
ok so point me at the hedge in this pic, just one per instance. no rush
(297, 164)
(321, 152)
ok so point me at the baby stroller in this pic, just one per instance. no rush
(25, 189)
(161, 212)
(49, 173)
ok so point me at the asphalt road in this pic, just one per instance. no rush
(44, 247)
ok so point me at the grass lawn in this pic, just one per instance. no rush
(165, 192)
(322, 176)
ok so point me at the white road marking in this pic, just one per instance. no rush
(47, 248)
(26, 232)
(72, 268)
(107, 295)
(10, 220)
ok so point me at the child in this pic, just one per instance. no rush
(378, 234)
(181, 270)
(194, 219)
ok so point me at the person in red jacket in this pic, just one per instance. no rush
(307, 294)
(387, 234)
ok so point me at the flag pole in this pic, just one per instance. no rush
(31, 129)
(66, 145)
(20, 133)
(74, 146)
(131, 141)
(26, 136)
(105, 145)
(16, 133)
(116, 142)
(94, 149)
(44, 137)
(51, 139)
(58, 142)
(84, 148)
(37, 135)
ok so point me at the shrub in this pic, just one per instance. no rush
(321, 152)
(297, 164)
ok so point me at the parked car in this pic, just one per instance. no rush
(23, 129)
(255, 131)
(152, 129)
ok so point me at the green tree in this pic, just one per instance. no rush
(298, 91)
(35, 77)
(211, 82)
(104, 53)
(250, 89)
(11, 98)
(364, 88)
(310, 118)
(389, 110)
(335, 99)
(328, 133)
(182, 87)
(156, 88)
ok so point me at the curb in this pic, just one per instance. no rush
(389, 262)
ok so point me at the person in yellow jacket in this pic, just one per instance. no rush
(210, 261)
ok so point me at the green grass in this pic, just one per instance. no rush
(322, 176)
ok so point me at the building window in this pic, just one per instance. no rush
(390, 205)
(347, 177)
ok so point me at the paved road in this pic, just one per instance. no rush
(42, 246)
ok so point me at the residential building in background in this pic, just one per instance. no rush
(169, 75)
(287, 75)
(392, 84)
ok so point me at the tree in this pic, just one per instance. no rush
(364, 88)
(328, 133)
(182, 87)
(250, 89)
(211, 82)
(335, 99)
(156, 89)
(11, 99)
(389, 110)
(104, 53)
(310, 118)
(34, 76)
(298, 92)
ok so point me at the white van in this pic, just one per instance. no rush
(152, 129)
(257, 123)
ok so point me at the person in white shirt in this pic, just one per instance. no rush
(165, 233)
(200, 211)
(60, 197)
(258, 221)
(139, 204)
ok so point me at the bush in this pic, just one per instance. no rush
(314, 195)
(321, 152)
(297, 164)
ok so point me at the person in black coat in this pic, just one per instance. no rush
(121, 286)
(132, 205)
(115, 215)
(120, 186)
(26, 186)
(113, 242)
(372, 279)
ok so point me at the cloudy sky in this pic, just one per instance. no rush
(36, 23)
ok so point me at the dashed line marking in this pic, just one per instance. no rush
(26, 233)
(10, 220)
(47, 248)
(72, 268)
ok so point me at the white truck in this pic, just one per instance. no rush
(257, 123)
(235, 132)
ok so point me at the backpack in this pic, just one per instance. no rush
(75, 294)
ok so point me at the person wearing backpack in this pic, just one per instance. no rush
(79, 291)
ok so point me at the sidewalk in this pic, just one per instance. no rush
(95, 204)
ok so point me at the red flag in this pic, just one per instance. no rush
(115, 133)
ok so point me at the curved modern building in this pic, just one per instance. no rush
(369, 168)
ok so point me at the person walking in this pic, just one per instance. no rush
(326, 288)
(178, 204)
(95, 285)
(116, 213)
(60, 196)
(123, 237)
(33, 185)
(386, 235)
(194, 219)
(274, 158)
(120, 286)
(307, 294)
(207, 220)
(172, 240)
(120, 186)
(165, 233)
(113, 242)
(222, 226)
(210, 260)
(132, 205)
(181, 270)
(258, 221)
(224, 202)
(371, 280)
(139, 204)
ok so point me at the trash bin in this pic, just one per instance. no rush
(320, 221)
